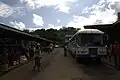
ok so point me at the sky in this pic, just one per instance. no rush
(37, 14)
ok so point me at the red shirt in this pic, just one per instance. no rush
(116, 49)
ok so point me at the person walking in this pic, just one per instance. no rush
(37, 62)
(38, 48)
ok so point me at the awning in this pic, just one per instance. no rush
(9, 32)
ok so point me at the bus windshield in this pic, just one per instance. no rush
(91, 39)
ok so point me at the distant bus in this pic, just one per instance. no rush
(87, 43)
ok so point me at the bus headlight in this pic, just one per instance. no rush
(102, 50)
(83, 51)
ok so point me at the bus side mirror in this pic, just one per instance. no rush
(105, 39)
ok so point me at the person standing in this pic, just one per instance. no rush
(65, 51)
(31, 52)
(5, 57)
(27, 53)
(116, 53)
(51, 49)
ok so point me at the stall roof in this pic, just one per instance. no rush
(98, 26)
(104, 27)
(5, 27)
(116, 23)
(7, 31)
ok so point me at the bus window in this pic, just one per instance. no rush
(90, 39)
(79, 39)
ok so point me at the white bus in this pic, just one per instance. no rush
(87, 43)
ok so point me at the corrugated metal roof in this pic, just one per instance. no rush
(98, 26)
(8, 28)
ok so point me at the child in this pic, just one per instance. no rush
(37, 62)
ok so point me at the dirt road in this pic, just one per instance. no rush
(64, 68)
(61, 68)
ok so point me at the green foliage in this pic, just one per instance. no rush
(53, 34)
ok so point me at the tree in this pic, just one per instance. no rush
(26, 31)
(54, 34)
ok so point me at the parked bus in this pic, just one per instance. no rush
(87, 43)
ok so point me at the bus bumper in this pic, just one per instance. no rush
(89, 56)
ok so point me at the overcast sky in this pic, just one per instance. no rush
(35, 14)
